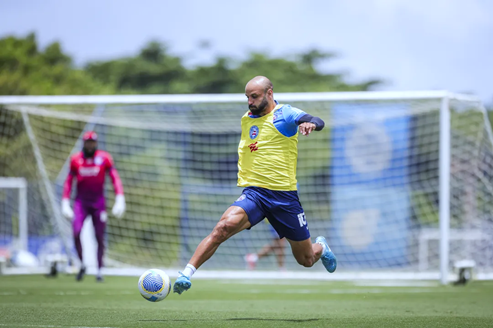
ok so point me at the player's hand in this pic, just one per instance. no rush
(66, 209)
(306, 128)
(119, 207)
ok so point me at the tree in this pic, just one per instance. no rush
(217, 78)
(27, 70)
(298, 74)
(152, 71)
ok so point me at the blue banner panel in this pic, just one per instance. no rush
(369, 177)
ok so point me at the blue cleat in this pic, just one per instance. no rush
(328, 258)
(182, 284)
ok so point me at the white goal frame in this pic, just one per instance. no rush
(25, 105)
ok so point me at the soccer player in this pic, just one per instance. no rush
(268, 152)
(89, 167)
(276, 246)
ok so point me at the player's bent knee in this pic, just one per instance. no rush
(303, 252)
(222, 231)
(306, 261)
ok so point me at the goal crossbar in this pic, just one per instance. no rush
(231, 98)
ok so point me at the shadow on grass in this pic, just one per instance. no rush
(234, 319)
(266, 319)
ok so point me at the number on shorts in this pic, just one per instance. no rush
(302, 219)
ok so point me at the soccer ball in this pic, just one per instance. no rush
(154, 285)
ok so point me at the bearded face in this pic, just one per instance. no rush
(89, 148)
(257, 110)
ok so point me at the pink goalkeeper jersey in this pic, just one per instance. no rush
(90, 174)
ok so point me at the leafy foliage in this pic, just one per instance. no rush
(155, 70)
(27, 70)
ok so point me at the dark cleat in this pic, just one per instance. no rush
(81, 274)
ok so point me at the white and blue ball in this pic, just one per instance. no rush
(154, 285)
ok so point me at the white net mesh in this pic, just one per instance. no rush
(9, 219)
(369, 181)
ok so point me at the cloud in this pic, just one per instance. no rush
(413, 44)
(453, 19)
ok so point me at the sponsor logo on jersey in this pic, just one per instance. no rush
(89, 171)
(98, 160)
(253, 147)
(253, 132)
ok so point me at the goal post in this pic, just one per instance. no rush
(444, 185)
(398, 182)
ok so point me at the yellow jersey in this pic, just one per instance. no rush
(267, 158)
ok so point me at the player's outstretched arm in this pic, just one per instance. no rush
(308, 124)
(67, 189)
(120, 206)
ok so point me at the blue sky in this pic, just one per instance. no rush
(413, 45)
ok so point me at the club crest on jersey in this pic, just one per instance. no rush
(254, 132)
(98, 160)
(242, 197)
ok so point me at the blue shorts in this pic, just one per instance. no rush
(273, 232)
(282, 208)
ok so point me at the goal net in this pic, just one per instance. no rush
(13, 217)
(398, 182)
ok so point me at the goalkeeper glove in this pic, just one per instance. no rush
(119, 207)
(66, 209)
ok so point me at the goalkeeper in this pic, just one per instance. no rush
(268, 152)
(89, 167)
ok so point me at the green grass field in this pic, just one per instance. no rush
(35, 301)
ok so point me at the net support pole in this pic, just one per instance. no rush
(51, 202)
(23, 232)
(444, 193)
